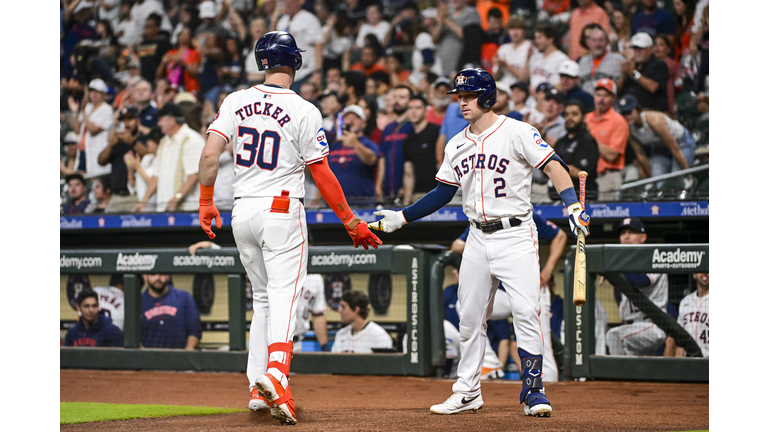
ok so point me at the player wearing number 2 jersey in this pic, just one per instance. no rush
(275, 134)
(492, 161)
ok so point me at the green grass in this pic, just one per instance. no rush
(84, 412)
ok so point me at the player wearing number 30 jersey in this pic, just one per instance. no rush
(492, 161)
(275, 135)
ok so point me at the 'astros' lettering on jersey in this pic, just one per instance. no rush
(494, 169)
(694, 317)
(275, 134)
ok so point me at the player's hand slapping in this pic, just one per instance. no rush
(392, 221)
(207, 212)
(361, 235)
(578, 220)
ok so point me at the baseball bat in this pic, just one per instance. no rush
(580, 273)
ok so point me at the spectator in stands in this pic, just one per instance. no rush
(653, 20)
(122, 139)
(369, 62)
(212, 54)
(77, 193)
(92, 329)
(536, 104)
(552, 127)
(371, 111)
(543, 64)
(351, 87)
(684, 10)
(257, 29)
(518, 97)
(310, 92)
(389, 177)
(578, 149)
(232, 67)
(510, 59)
(91, 121)
(397, 73)
(495, 32)
(181, 64)
(146, 169)
(67, 162)
(169, 317)
(599, 63)
(306, 29)
(352, 158)
(360, 336)
(178, 157)
(152, 47)
(695, 323)
(502, 103)
(374, 24)
(663, 50)
(645, 76)
(142, 99)
(622, 31)
(611, 133)
(337, 43)
(424, 59)
(102, 192)
(487, 16)
(209, 22)
(77, 15)
(661, 144)
(355, 10)
(126, 31)
(420, 165)
(587, 12)
(439, 100)
(330, 107)
(638, 335)
(142, 9)
(569, 84)
(448, 35)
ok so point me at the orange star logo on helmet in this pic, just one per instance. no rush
(461, 79)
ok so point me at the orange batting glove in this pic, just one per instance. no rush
(208, 211)
(361, 235)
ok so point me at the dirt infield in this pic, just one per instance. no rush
(355, 403)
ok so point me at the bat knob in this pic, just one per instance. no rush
(579, 302)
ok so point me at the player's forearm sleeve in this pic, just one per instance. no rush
(330, 189)
(431, 202)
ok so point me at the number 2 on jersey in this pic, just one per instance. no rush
(256, 148)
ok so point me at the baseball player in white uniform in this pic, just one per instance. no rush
(312, 308)
(275, 135)
(492, 161)
(694, 317)
(638, 336)
(112, 300)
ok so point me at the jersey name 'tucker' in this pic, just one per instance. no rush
(275, 133)
(494, 169)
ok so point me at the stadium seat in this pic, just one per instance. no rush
(677, 188)
(702, 191)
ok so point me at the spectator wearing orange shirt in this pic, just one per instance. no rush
(369, 62)
(397, 74)
(587, 13)
(180, 65)
(611, 132)
(484, 6)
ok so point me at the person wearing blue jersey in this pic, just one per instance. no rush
(169, 317)
(391, 166)
(92, 329)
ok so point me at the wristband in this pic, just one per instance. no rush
(569, 197)
(636, 75)
(206, 194)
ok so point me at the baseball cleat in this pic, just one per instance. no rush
(537, 405)
(257, 402)
(491, 374)
(458, 403)
(279, 398)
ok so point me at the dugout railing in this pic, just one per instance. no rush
(612, 261)
(415, 358)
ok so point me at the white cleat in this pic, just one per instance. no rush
(540, 410)
(458, 403)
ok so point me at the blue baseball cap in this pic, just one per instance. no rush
(626, 104)
(631, 223)
(545, 86)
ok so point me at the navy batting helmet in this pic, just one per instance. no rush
(477, 81)
(276, 49)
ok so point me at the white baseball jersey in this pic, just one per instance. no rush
(514, 57)
(544, 68)
(112, 304)
(275, 133)
(312, 301)
(694, 317)
(494, 169)
(371, 336)
(657, 292)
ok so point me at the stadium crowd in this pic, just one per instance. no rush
(618, 87)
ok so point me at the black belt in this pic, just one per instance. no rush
(122, 193)
(489, 227)
(301, 200)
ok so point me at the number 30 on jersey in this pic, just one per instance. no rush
(258, 148)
